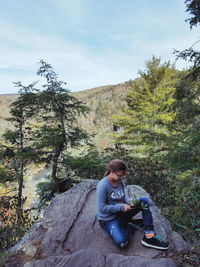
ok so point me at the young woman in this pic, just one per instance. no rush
(115, 212)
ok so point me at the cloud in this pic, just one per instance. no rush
(73, 62)
(88, 43)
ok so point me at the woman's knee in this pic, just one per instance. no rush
(119, 235)
(121, 242)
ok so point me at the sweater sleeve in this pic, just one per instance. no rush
(126, 198)
(101, 201)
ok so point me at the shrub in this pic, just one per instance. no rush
(10, 231)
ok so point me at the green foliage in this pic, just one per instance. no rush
(17, 153)
(176, 193)
(10, 136)
(190, 54)
(162, 125)
(45, 124)
(46, 191)
(187, 100)
(90, 165)
(47, 136)
(57, 115)
(10, 230)
(153, 176)
(193, 8)
(6, 175)
(111, 96)
(184, 145)
(150, 108)
(135, 202)
(185, 213)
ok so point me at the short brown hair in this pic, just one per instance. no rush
(115, 165)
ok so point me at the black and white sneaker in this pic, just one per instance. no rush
(154, 242)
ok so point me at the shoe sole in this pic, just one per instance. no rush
(152, 246)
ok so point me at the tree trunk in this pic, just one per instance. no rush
(56, 156)
(21, 179)
(19, 196)
(55, 164)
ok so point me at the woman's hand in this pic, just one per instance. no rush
(127, 207)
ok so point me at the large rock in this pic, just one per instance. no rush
(88, 258)
(70, 235)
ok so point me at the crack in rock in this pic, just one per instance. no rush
(77, 216)
(105, 261)
(95, 219)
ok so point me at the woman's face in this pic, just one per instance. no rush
(115, 176)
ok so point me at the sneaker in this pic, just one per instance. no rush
(154, 242)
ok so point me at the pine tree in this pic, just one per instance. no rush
(193, 7)
(18, 141)
(150, 103)
(185, 152)
(58, 111)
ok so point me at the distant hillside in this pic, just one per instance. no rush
(103, 102)
(5, 101)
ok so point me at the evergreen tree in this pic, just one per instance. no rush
(58, 111)
(190, 54)
(193, 7)
(18, 152)
(187, 121)
(150, 102)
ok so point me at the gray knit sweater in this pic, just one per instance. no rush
(110, 199)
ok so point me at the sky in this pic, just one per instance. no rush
(89, 43)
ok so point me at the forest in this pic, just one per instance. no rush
(152, 123)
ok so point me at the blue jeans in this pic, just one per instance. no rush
(117, 228)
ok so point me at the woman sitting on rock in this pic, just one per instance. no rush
(115, 211)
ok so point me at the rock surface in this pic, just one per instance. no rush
(70, 235)
(88, 258)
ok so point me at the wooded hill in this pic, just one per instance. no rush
(103, 102)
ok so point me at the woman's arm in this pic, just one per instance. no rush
(101, 201)
(126, 198)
